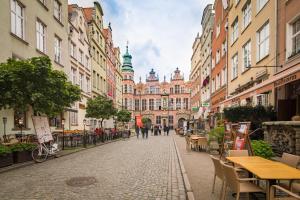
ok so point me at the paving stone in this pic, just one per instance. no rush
(129, 169)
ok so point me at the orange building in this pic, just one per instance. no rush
(163, 103)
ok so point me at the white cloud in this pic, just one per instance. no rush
(160, 32)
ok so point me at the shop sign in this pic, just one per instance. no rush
(206, 104)
(195, 109)
(288, 79)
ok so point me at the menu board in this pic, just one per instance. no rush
(42, 129)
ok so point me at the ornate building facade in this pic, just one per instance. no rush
(163, 103)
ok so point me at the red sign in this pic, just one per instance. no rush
(139, 121)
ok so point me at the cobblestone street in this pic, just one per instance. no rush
(128, 169)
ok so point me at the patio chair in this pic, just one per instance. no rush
(239, 153)
(290, 159)
(290, 195)
(218, 173)
(202, 144)
(238, 185)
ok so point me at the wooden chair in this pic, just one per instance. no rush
(202, 143)
(238, 153)
(238, 185)
(290, 195)
(218, 173)
(290, 159)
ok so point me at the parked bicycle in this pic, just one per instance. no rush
(43, 150)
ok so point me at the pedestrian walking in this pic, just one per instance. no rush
(137, 132)
(143, 132)
(159, 129)
(168, 129)
(152, 129)
(165, 129)
(146, 132)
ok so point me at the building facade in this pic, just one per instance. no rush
(32, 29)
(251, 52)
(207, 23)
(118, 78)
(195, 78)
(94, 17)
(287, 76)
(80, 63)
(219, 58)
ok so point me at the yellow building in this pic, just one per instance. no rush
(94, 17)
(118, 79)
(251, 47)
(30, 29)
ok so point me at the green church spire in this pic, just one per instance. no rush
(127, 65)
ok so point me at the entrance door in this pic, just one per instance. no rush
(286, 109)
(180, 122)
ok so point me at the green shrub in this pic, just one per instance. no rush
(4, 150)
(262, 149)
(217, 134)
(22, 147)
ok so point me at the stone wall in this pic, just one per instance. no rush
(284, 136)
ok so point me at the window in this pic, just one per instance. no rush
(171, 90)
(246, 56)
(40, 36)
(213, 85)
(88, 88)
(144, 104)
(57, 10)
(136, 104)
(74, 75)
(171, 119)
(81, 56)
(234, 61)
(224, 76)
(177, 89)
(158, 119)
(262, 99)
(260, 4)
(73, 50)
(20, 116)
(98, 81)
(152, 89)
(178, 103)
(246, 14)
(17, 19)
(171, 104)
(81, 81)
(87, 62)
(218, 82)
(235, 31)
(213, 63)
(74, 118)
(81, 36)
(126, 103)
(218, 56)
(263, 42)
(218, 30)
(186, 103)
(125, 89)
(296, 37)
(94, 79)
(93, 53)
(151, 104)
(97, 57)
(224, 48)
(57, 49)
(158, 104)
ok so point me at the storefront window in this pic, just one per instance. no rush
(17, 117)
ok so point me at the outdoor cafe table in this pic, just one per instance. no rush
(196, 137)
(266, 169)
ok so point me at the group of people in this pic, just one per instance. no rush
(154, 129)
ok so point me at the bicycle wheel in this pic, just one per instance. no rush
(39, 154)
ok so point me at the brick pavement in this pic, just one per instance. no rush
(129, 169)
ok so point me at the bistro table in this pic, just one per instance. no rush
(266, 169)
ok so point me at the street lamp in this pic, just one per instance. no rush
(21, 122)
(84, 134)
(4, 126)
(63, 133)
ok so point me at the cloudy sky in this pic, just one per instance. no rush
(160, 32)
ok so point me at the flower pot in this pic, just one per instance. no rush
(21, 156)
(6, 160)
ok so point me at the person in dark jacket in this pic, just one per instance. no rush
(146, 132)
(137, 131)
(168, 129)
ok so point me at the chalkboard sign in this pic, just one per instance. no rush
(42, 129)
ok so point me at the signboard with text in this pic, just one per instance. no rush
(42, 129)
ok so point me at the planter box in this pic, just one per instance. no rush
(6, 160)
(21, 156)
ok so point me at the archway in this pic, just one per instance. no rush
(180, 122)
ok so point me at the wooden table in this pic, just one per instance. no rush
(266, 169)
(196, 137)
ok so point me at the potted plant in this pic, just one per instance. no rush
(22, 152)
(262, 149)
(6, 158)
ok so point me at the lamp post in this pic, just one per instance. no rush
(63, 133)
(84, 134)
(21, 122)
(4, 126)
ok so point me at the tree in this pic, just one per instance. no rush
(145, 121)
(33, 83)
(100, 108)
(123, 116)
